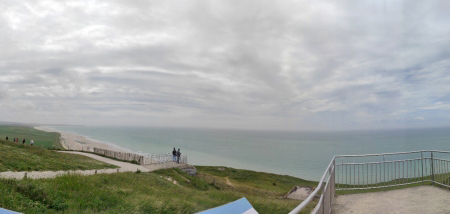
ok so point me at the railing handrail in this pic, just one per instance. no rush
(314, 193)
(392, 153)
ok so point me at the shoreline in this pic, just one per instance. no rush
(71, 141)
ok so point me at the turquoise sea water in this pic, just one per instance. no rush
(300, 154)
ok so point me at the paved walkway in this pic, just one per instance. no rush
(124, 167)
(414, 200)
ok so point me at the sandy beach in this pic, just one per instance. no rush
(72, 141)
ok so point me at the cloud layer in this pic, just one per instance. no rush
(227, 64)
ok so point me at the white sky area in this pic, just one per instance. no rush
(235, 64)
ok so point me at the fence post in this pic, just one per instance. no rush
(432, 169)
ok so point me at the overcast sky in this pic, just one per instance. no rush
(296, 65)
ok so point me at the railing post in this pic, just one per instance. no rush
(421, 160)
(330, 171)
(333, 182)
(384, 169)
(432, 169)
(323, 199)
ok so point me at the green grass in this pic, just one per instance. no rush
(145, 193)
(18, 157)
(276, 183)
(41, 138)
(346, 192)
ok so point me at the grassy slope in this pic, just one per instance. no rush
(41, 138)
(18, 157)
(145, 193)
(283, 183)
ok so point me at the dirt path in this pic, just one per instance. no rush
(228, 182)
(124, 167)
(189, 181)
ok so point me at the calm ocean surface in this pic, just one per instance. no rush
(300, 154)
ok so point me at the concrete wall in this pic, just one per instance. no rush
(120, 155)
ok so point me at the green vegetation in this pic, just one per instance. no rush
(280, 184)
(400, 183)
(149, 192)
(164, 191)
(346, 192)
(18, 157)
(41, 138)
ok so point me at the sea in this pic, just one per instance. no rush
(300, 154)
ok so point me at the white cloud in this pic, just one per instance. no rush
(233, 64)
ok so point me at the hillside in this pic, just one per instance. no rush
(148, 192)
(41, 138)
(18, 157)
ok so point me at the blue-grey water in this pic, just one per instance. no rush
(300, 154)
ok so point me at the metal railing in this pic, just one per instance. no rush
(164, 158)
(142, 158)
(326, 187)
(354, 172)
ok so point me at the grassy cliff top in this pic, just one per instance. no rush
(40, 138)
(18, 157)
(154, 192)
(269, 181)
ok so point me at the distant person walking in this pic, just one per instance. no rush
(178, 156)
(23, 141)
(31, 142)
(174, 155)
(6, 137)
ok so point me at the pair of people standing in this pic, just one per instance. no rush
(24, 141)
(176, 155)
(16, 140)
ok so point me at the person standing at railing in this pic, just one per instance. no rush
(174, 155)
(178, 156)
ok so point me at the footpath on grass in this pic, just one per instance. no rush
(124, 167)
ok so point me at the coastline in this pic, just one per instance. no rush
(71, 141)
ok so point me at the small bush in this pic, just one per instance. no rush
(58, 205)
(34, 193)
(37, 194)
(101, 201)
